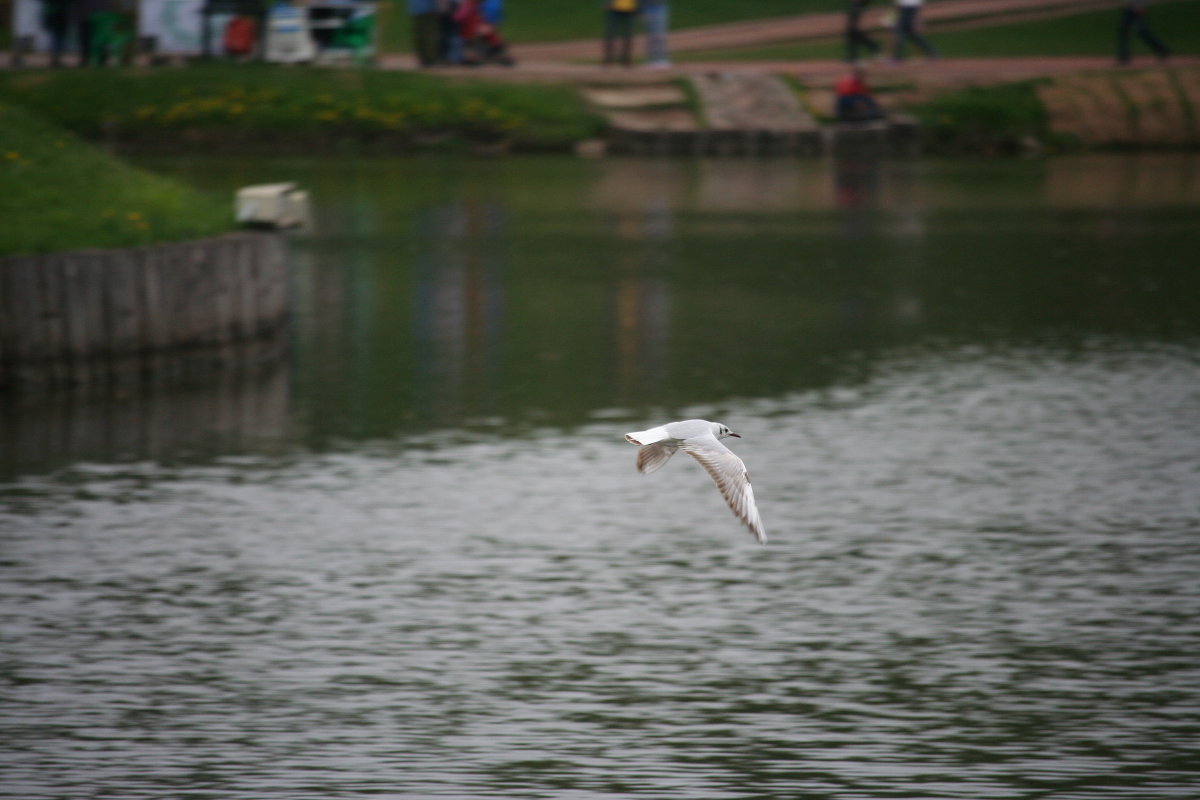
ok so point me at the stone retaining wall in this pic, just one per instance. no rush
(64, 315)
(1147, 109)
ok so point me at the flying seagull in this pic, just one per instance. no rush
(700, 439)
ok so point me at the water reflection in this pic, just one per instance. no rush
(438, 293)
(458, 305)
(208, 415)
(808, 264)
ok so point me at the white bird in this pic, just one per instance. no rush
(700, 439)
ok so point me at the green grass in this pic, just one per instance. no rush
(986, 119)
(61, 193)
(556, 20)
(218, 105)
(1088, 34)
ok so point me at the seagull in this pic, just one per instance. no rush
(701, 439)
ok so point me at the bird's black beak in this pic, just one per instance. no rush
(735, 435)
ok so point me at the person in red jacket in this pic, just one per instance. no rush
(482, 42)
(855, 103)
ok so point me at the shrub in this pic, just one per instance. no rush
(992, 119)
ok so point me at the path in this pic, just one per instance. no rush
(821, 73)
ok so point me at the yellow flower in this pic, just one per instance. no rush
(12, 155)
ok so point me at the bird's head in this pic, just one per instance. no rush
(721, 431)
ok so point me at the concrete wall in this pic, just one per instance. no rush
(66, 315)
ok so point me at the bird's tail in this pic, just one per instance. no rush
(648, 436)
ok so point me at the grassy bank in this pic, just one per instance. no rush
(222, 107)
(1120, 109)
(61, 193)
(988, 119)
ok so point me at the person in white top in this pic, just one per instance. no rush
(908, 24)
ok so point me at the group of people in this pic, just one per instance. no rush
(459, 32)
(619, 19)
(82, 21)
(906, 28)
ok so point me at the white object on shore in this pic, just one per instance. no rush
(272, 205)
(288, 37)
(700, 439)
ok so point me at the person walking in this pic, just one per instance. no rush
(856, 37)
(93, 49)
(1133, 21)
(425, 31)
(618, 31)
(908, 27)
(57, 18)
(655, 16)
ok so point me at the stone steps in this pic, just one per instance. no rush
(732, 114)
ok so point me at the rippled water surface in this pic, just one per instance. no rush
(415, 560)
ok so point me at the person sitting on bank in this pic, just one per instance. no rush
(855, 103)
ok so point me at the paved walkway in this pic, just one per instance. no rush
(943, 72)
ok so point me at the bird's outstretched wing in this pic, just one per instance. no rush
(652, 456)
(729, 473)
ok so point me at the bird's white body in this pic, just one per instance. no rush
(700, 439)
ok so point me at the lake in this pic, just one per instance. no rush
(414, 558)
